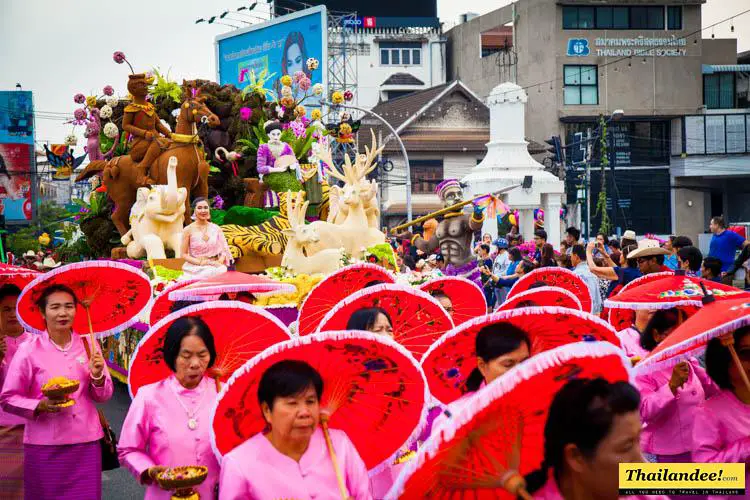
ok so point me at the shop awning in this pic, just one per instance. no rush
(709, 69)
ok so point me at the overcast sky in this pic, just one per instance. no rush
(58, 48)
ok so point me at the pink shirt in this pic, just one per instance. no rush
(668, 418)
(256, 470)
(630, 339)
(11, 347)
(156, 432)
(721, 433)
(550, 491)
(39, 360)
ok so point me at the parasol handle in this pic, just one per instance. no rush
(332, 453)
(92, 340)
(516, 485)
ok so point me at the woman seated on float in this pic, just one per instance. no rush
(204, 247)
(290, 458)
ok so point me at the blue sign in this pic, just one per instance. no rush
(16, 117)
(282, 47)
(578, 47)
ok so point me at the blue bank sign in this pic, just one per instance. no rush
(578, 47)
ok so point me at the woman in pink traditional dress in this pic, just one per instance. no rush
(62, 454)
(204, 247)
(630, 338)
(11, 426)
(290, 459)
(670, 397)
(168, 423)
(721, 433)
(499, 347)
(591, 428)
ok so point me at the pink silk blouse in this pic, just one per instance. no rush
(156, 432)
(630, 339)
(668, 419)
(721, 433)
(39, 360)
(550, 491)
(256, 470)
(11, 347)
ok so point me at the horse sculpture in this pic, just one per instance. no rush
(120, 175)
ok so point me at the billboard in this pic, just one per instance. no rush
(281, 46)
(366, 8)
(17, 159)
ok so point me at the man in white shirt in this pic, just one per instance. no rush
(500, 267)
(581, 268)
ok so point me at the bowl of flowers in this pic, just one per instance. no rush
(182, 479)
(60, 389)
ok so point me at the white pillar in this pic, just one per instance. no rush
(526, 224)
(552, 204)
(490, 225)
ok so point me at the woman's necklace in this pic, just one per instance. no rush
(64, 348)
(192, 421)
(204, 232)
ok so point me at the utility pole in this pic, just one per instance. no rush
(588, 184)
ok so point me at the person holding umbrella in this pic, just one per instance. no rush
(371, 319)
(671, 397)
(722, 425)
(12, 336)
(62, 453)
(290, 458)
(168, 422)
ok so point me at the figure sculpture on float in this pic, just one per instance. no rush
(277, 165)
(156, 219)
(141, 121)
(453, 234)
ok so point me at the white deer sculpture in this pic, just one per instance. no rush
(305, 252)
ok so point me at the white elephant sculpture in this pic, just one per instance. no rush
(156, 219)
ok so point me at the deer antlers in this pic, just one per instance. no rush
(353, 173)
(297, 208)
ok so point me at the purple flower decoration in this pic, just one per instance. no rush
(108, 90)
(305, 84)
(218, 202)
(298, 128)
(246, 113)
(243, 74)
(79, 98)
(79, 114)
(299, 76)
(118, 57)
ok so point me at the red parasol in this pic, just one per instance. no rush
(555, 276)
(230, 282)
(417, 318)
(670, 290)
(450, 360)
(16, 275)
(467, 298)
(498, 437)
(545, 296)
(625, 318)
(372, 389)
(714, 320)
(111, 296)
(336, 288)
(240, 332)
(162, 304)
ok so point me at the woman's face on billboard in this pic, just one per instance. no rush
(293, 59)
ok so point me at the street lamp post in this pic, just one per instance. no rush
(616, 115)
(400, 143)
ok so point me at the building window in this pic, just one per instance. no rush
(580, 85)
(718, 91)
(425, 175)
(400, 54)
(674, 17)
(622, 18)
(393, 94)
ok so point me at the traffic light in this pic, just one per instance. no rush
(576, 149)
(556, 149)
